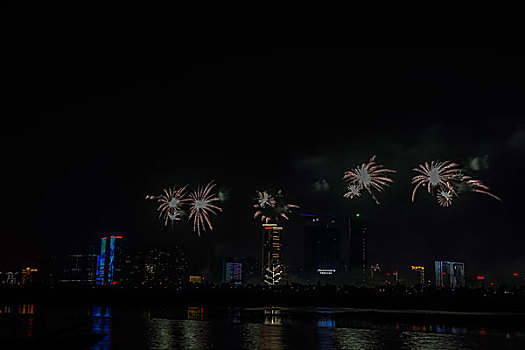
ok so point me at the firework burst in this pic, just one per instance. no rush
(369, 176)
(201, 205)
(435, 175)
(170, 203)
(447, 180)
(353, 191)
(466, 183)
(272, 208)
(263, 201)
(444, 198)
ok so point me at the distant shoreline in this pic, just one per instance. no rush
(436, 302)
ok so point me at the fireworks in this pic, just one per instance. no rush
(474, 185)
(353, 191)
(369, 176)
(170, 203)
(272, 208)
(263, 201)
(447, 180)
(444, 198)
(201, 206)
(435, 175)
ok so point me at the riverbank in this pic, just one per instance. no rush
(466, 300)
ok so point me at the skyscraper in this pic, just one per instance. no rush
(109, 262)
(450, 274)
(322, 245)
(272, 268)
(358, 232)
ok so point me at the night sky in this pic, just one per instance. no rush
(89, 129)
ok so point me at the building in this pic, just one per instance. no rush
(11, 278)
(421, 272)
(28, 276)
(164, 268)
(109, 262)
(157, 268)
(80, 269)
(358, 237)
(272, 268)
(154, 267)
(251, 268)
(196, 279)
(323, 247)
(375, 271)
(50, 270)
(233, 272)
(450, 274)
(133, 274)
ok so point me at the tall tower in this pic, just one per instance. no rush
(449, 274)
(322, 245)
(358, 233)
(272, 268)
(109, 263)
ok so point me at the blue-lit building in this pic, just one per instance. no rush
(233, 272)
(109, 262)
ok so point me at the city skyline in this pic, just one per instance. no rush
(278, 127)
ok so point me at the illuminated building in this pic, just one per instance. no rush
(162, 268)
(157, 268)
(273, 274)
(80, 269)
(196, 279)
(322, 245)
(358, 232)
(421, 271)
(154, 267)
(233, 272)
(109, 262)
(11, 278)
(28, 275)
(450, 274)
(271, 254)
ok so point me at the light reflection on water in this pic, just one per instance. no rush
(101, 324)
(270, 328)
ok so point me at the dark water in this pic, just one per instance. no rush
(259, 328)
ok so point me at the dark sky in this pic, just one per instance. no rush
(91, 127)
